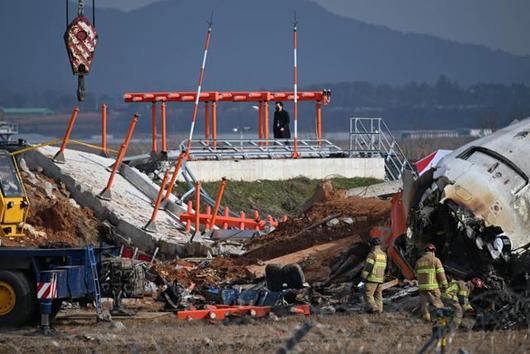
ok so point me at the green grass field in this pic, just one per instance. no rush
(276, 198)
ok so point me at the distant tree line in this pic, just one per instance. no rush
(444, 104)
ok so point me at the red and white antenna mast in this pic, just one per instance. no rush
(295, 84)
(185, 154)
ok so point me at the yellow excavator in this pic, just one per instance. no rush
(14, 204)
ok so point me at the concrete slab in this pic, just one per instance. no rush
(283, 169)
(85, 176)
(377, 190)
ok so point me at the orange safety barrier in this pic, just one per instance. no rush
(104, 151)
(224, 221)
(105, 193)
(59, 156)
(220, 312)
(151, 226)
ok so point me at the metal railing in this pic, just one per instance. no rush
(370, 137)
(7, 130)
(191, 181)
(261, 149)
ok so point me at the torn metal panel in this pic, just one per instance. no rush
(475, 205)
(489, 177)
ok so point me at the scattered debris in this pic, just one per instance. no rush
(54, 217)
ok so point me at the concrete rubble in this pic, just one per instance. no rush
(85, 175)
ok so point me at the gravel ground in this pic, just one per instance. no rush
(338, 333)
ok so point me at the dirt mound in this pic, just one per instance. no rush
(54, 218)
(323, 193)
(322, 222)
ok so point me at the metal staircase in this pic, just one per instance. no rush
(370, 137)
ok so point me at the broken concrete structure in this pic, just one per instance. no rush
(283, 169)
(85, 175)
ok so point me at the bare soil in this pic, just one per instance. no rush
(338, 333)
(364, 214)
(288, 238)
(55, 218)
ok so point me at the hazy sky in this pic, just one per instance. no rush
(499, 24)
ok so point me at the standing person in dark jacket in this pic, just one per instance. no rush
(281, 123)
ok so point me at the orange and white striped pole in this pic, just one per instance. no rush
(151, 224)
(186, 153)
(199, 88)
(295, 154)
(105, 193)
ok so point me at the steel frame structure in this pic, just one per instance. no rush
(211, 98)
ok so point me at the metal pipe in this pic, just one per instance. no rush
(207, 225)
(197, 206)
(189, 210)
(59, 156)
(226, 214)
(154, 145)
(104, 130)
(266, 120)
(214, 123)
(199, 87)
(175, 175)
(319, 122)
(260, 121)
(164, 133)
(218, 201)
(257, 220)
(295, 85)
(105, 193)
(67, 13)
(206, 121)
(94, 13)
(150, 226)
(241, 220)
